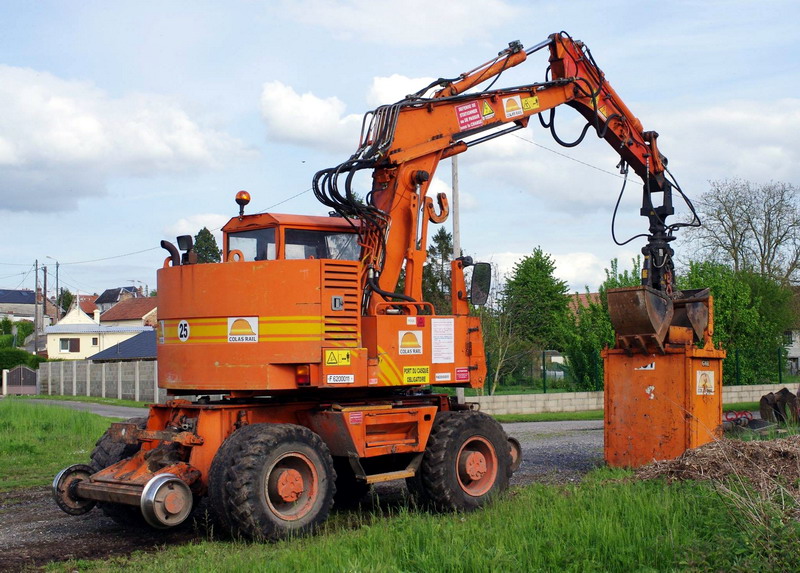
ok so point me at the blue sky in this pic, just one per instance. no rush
(124, 123)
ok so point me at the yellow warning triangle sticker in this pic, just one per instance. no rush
(331, 360)
(487, 110)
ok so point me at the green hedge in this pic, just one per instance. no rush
(10, 357)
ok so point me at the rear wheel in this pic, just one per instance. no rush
(279, 481)
(106, 453)
(466, 463)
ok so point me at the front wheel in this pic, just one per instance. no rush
(280, 481)
(466, 463)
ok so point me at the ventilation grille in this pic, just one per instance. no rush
(340, 279)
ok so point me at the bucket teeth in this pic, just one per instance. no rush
(640, 316)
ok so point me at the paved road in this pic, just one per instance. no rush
(102, 409)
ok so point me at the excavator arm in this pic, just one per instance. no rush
(404, 142)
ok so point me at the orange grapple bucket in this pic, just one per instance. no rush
(639, 315)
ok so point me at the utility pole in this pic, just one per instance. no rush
(58, 292)
(460, 397)
(36, 322)
(44, 294)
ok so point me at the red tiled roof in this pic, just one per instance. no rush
(130, 309)
(583, 299)
(86, 303)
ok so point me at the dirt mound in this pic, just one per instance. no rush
(766, 465)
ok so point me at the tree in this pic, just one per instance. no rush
(66, 299)
(751, 313)
(591, 326)
(436, 272)
(503, 345)
(205, 245)
(538, 302)
(751, 227)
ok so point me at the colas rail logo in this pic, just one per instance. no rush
(410, 342)
(243, 329)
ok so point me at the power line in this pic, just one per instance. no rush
(111, 257)
(617, 175)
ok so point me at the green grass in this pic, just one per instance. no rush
(741, 407)
(551, 416)
(607, 523)
(90, 399)
(39, 440)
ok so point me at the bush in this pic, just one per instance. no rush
(6, 340)
(24, 330)
(10, 357)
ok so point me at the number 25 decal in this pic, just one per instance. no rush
(183, 331)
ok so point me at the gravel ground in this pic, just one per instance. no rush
(33, 531)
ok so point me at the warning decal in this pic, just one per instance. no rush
(530, 103)
(486, 111)
(512, 106)
(337, 358)
(416, 374)
(469, 116)
(410, 342)
(705, 382)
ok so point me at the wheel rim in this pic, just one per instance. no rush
(292, 486)
(476, 466)
(166, 501)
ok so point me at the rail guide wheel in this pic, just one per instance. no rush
(64, 489)
(166, 501)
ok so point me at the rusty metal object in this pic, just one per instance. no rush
(131, 434)
(64, 486)
(166, 501)
(692, 310)
(641, 317)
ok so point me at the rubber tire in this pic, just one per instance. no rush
(349, 490)
(108, 452)
(217, 490)
(437, 483)
(251, 451)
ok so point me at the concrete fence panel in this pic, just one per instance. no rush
(138, 381)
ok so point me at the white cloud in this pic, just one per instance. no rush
(410, 23)
(61, 140)
(305, 119)
(192, 225)
(580, 270)
(386, 90)
(734, 139)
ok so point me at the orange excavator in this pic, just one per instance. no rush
(312, 365)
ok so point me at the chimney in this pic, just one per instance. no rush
(97, 315)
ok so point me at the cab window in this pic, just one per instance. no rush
(307, 244)
(255, 245)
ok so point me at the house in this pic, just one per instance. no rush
(112, 296)
(131, 312)
(86, 302)
(140, 347)
(21, 305)
(78, 335)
